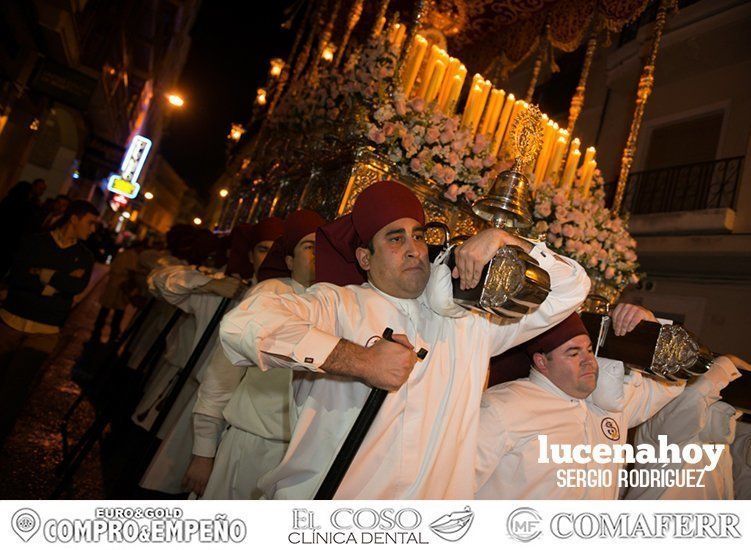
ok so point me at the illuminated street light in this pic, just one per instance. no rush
(276, 67)
(261, 96)
(175, 100)
(223, 193)
(148, 195)
(197, 221)
(126, 215)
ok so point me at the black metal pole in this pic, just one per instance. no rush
(356, 436)
(189, 365)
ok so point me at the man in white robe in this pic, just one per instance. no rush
(422, 443)
(698, 417)
(254, 404)
(558, 401)
(198, 293)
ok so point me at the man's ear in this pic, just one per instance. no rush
(289, 261)
(540, 363)
(363, 258)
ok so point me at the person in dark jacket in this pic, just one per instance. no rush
(48, 271)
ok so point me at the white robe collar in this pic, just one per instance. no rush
(542, 381)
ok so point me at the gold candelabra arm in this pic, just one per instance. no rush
(646, 83)
(577, 101)
(380, 19)
(324, 41)
(354, 16)
(414, 26)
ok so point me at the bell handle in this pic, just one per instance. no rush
(443, 227)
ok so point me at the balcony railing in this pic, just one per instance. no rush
(699, 186)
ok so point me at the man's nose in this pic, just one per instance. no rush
(413, 248)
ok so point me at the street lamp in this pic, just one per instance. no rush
(148, 195)
(261, 97)
(175, 100)
(197, 221)
(223, 193)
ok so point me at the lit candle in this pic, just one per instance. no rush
(449, 105)
(516, 109)
(394, 32)
(456, 89)
(555, 159)
(427, 71)
(448, 81)
(474, 94)
(492, 112)
(588, 156)
(417, 53)
(508, 105)
(570, 170)
(589, 171)
(575, 143)
(485, 85)
(435, 81)
(547, 148)
(401, 34)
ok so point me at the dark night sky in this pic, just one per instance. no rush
(231, 47)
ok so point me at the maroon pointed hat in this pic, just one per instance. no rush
(245, 237)
(296, 226)
(516, 362)
(377, 206)
(561, 333)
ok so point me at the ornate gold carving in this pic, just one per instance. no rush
(577, 101)
(525, 137)
(675, 351)
(646, 82)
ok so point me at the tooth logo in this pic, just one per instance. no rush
(25, 523)
(452, 527)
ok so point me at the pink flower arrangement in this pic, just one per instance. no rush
(416, 137)
(584, 229)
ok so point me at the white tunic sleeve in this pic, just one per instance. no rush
(288, 330)
(685, 416)
(207, 431)
(569, 288)
(179, 285)
(493, 440)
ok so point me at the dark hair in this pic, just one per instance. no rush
(77, 208)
